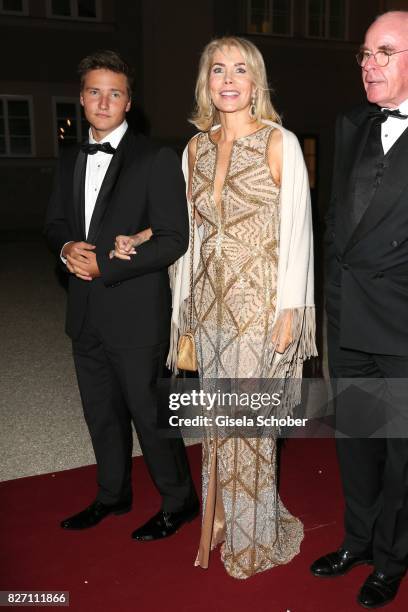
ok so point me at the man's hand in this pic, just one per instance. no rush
(81, 260)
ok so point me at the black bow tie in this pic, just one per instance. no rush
(91, 148)
(383, 115)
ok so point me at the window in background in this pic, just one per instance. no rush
(16, 134)
(270, 17)
(70, 124)
(14, 7)
(73, 9)
(327, 19)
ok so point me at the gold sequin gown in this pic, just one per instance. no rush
(234, 306)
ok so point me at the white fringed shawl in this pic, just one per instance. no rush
(295, 267)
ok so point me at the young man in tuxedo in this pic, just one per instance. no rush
(118, 312)
(367, 308)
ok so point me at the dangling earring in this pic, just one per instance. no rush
(252, 108)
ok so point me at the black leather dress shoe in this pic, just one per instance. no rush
(94, 514)
(338, 563)
(164, 524)
(378, 590)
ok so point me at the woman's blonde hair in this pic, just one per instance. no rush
(205, 115)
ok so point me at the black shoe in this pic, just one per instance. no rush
(164, 524)
(338, 563)
(378, 590)
(94, 514)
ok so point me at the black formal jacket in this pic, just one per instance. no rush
(367, 265)
(129, 305)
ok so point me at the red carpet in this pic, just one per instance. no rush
(105, 571)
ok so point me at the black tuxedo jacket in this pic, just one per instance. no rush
(129, 305)
(367, 265)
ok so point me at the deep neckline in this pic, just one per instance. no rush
(219, 205)
(263, 127)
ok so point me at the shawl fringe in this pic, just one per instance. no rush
(287, 369)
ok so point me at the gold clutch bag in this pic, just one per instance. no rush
(186, 353)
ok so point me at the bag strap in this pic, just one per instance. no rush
(190, 301)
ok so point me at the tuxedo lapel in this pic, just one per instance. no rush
(395, 180)
(356, 134)
(79, 191)
(110, 180)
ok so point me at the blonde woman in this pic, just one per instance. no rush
(252, 293)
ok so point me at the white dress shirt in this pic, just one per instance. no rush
(96, 168)
(393, 128)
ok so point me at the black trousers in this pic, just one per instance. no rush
(118, 386)
(374, 471)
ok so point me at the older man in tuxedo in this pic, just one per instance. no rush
(118, 313)
(367, 307)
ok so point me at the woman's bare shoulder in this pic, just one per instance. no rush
(275, 138)
(192, 145)
(274, 154)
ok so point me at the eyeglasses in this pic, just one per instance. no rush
(381, 58)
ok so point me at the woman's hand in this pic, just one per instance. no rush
(282, 332)
(142, 236)
(125, 245)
